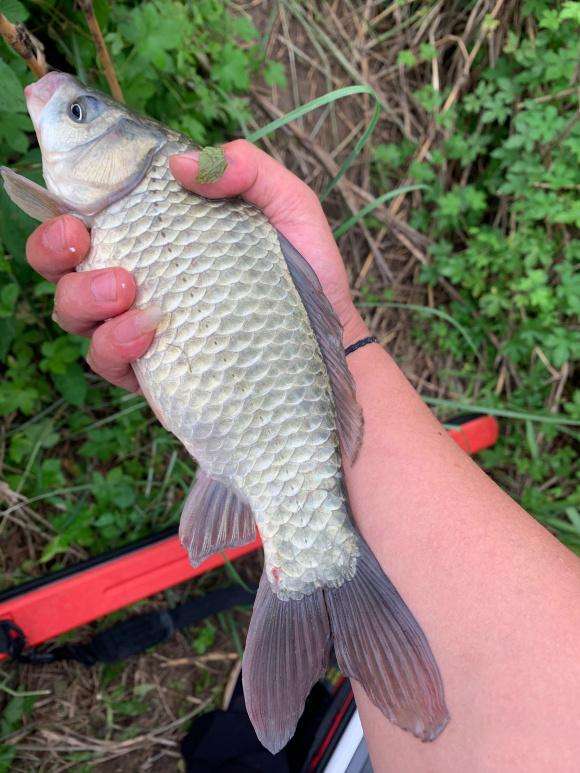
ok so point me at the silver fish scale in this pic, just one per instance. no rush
(235, 371)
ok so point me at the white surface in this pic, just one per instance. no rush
(346, 747)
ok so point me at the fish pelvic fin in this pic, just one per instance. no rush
(287, 651)
(379, 643)
(214, 517)
(30, 197)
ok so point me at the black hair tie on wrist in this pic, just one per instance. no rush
(363, 342)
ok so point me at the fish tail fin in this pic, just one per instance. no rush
(287, 651)
(379, 643)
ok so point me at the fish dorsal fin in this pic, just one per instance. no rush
(214, 518)
(328, 332)
(31, 198)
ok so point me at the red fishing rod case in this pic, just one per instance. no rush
(56, 603)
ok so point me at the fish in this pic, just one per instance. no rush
(247, 369)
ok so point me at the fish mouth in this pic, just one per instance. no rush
(39, 94)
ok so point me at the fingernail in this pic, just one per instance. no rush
(104, 287)
(206, 165)
(137, 324)
(56, 236)
(191, 155)
(187, 163)
(212, 164)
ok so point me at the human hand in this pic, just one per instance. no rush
(98, 303)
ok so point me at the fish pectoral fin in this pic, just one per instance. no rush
(286, 652)
(379, 643)
(214, 518)
(31, 198)
(328, 332)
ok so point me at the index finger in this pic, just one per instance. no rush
(57, 246)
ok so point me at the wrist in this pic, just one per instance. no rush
(353, 328)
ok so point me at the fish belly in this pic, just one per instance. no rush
(235, 371)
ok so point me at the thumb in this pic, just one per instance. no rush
(255, 176)
(288, 203)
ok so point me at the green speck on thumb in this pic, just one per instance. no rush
(212, 164)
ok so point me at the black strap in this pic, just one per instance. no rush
(128, 637)
(359, 344)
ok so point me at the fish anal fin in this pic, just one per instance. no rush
(214, 518)
(286, 652)
(328, 332)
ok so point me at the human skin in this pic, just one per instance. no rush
(496, 594)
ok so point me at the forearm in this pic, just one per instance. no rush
(496, 594)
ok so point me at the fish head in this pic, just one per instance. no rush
(94, 149)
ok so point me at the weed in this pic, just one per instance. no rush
(89, 456)
(503, 237)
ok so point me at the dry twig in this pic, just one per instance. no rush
(102, 50)
(25, 44)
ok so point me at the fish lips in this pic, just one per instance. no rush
(39, 94)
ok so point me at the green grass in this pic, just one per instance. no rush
(93, 461)
(501, 209)
(94, 468)
(88, 467)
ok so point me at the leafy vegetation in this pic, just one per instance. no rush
(499, 199)
(88, 456)
(14, 712)
(500, 207)
(85, 467)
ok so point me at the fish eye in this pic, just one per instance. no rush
(76, 112)
(85, 109)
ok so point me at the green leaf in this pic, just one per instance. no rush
(427, 52)
(550, 20)
(204, 639)
(13, 10)
(406, 58)
(8, 297)
(274, 74)
(243, 28)
(532, 442)
(232, 72)
(58, 544)
(59, 354)
(212, 164)
(574, 516)
(11, 94)
(571, 10)
(393, 154)
(72, 384)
